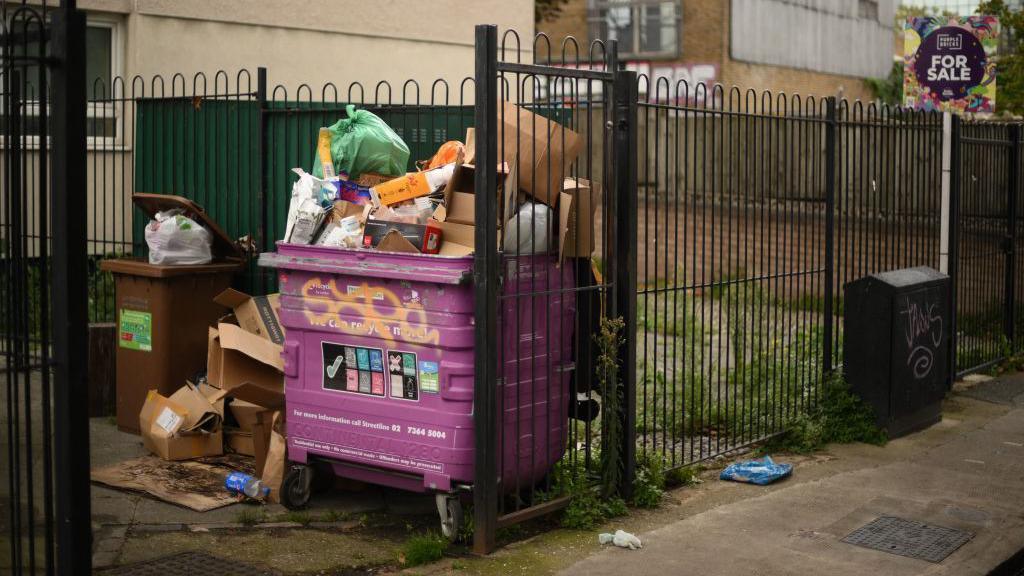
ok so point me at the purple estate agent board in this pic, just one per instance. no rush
(948, 64)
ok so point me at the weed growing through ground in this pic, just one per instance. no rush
(422, 549)
(587, 508)
(649, 480)
(609, 341)
(250, 516)
(838, 416)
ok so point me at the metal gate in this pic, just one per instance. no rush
(987, 163)
(561, 131)
(44, 495)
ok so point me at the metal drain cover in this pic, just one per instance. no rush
(190, 563)
(909, 538)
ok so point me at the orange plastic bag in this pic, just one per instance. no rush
(449, 152)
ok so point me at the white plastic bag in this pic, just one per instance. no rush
(174, 238)
(305, 212)
(529, 230)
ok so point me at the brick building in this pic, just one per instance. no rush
(810, 47)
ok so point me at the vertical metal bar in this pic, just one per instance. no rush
(954, 241)
(68, 294)
(625, 231)
(261, 167)
(944, 221)
(1013, 181)
(830, 227)
(485, 277)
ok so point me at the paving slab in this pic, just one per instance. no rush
(966, 473)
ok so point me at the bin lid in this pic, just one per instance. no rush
(223, 246)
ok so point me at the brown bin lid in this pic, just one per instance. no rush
(223, 246)
(140, 267)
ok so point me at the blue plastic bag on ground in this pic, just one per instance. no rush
(759, 472)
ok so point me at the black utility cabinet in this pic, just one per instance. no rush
(896, 345)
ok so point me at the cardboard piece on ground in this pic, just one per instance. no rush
(256, 314)
(271, 452)
(182, 427)
(194, 485)
(586, 196)
(239, 442)
(251, 368)
(546, 150)
(393, 241)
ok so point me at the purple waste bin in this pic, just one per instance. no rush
(379, 371)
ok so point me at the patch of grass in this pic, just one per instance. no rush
(839, 417)
(250, 516)
(649, 480)
(333, 516)
(587, 508)
(422, 549)
(297, 516)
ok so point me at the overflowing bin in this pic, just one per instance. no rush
(379, 369)
(163, 312)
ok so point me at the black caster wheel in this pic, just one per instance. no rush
(296, 487)
(449, 508)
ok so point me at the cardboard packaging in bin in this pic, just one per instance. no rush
(545, 148)
(577, 209)
(187, 425)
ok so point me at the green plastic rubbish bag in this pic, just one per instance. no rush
(364, 143)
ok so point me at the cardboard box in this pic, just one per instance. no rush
(459, 192)
(456, 239)
(239, 442)
(424, 237)
(343, 209)
(245, 413)
(411, 185)
(184, 426)
(370, 179)
(246, 366)
(256, 314)
(577, 219)
(546, 149)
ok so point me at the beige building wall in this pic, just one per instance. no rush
(309, 41)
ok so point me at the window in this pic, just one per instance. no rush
(102, 65)
(644, 28)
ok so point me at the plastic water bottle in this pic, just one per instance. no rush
(239, 483)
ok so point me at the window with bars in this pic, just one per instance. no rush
(644, 28)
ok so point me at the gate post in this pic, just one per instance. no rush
(485, 293)
(624, 163)
(953, 223)
(261, 167)
(68, 295)
(830, 229)
(1013, 182)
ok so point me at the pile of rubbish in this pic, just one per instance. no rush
(358, 194)
(236, 406)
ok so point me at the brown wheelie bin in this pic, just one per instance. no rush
(163, 312)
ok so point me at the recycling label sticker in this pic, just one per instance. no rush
(428, 377)
(135, 330)
(402, 375)
(353, 369)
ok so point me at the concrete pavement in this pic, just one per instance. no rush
(966, 472)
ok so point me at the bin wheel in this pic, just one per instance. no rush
(449, 508)
(296, 487)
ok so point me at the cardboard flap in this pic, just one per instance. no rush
(231, 298)
(566, 223)
(235, 338)
(393, 241)
(200, 413)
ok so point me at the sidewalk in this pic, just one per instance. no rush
(966, 472)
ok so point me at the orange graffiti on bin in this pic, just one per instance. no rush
(402, 320)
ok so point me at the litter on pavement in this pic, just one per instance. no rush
(759, 472)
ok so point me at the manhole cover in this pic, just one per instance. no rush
(909, 538)
(190, 563)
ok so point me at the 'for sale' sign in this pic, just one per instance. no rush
(948, 63)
